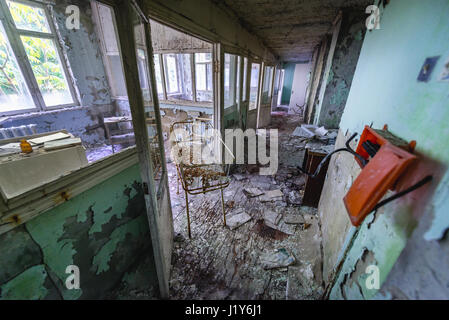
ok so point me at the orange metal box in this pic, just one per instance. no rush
(379, 175)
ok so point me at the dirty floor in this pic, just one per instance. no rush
(219, 263)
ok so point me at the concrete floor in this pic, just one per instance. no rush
(219, 263)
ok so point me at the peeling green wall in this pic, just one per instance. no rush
(104, 231)
(406, 239)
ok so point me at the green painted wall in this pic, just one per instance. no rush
(408, 236)
(104, 231)
(288, 83)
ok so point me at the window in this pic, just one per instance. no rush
(203, 76)
(237, 82)
(254, 86)
(14, 94)
(267, 85)
(157, 69)
(25, 31)
(230, 73)
(178, 76)
(107, 33)
(245, 73)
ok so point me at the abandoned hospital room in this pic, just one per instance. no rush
(224, 150)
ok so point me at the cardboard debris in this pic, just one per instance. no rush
(239, 218)
(252, 192)
(279, 258)
(273, 195)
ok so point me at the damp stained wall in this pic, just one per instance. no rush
(104, 231)
(408, 236)
(344, 62)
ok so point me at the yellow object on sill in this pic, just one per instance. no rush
(25, 146)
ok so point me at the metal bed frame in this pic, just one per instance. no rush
(207, 177)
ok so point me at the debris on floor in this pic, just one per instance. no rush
(226, 262)
(279, 258)
(238, 218)
(273, 195)
(294, 219)
(252, 192)
(272, 217)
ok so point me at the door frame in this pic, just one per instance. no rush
(123, 12)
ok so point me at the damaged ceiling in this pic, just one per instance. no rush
(291, 29)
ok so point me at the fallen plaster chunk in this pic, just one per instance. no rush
(279, 258)
(252, 192)
(237, 219)
(304, 131)
(294, 219)
(273, 195)
(288, 229)
(272, 217)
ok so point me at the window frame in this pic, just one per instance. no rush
(14, 37)
(104, 49)
(206, 64)
(163, 67)
(259, 85)
(167, 81)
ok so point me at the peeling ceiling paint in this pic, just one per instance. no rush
(291, 29)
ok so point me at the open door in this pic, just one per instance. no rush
(137, 54)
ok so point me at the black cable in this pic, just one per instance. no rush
(327, 157)
(403, 193)
(364, 162)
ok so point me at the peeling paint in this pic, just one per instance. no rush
(135, 228)
(29, 285)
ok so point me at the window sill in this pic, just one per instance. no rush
(31, 204)
(35, 113)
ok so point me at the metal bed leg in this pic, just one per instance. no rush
(188, 215)
(223, 207)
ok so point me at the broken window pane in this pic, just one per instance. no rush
(14, 94)
(254, 86)
(48, 70)
(157, 69)
(28, 18)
